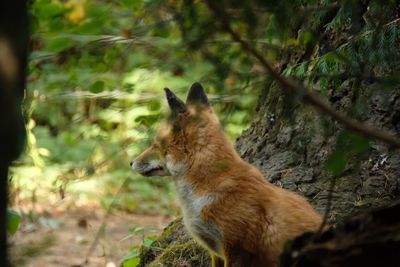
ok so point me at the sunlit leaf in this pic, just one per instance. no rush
(132, 255)
(13, 221)
(76, 10)
(48, 9)
(137, 230)
(131, 262)
(148, 119)
(149, 241)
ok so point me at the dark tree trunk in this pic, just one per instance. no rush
(368, 240)
(13, 58)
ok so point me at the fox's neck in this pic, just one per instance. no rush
(209, 166)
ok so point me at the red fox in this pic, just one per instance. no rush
(228, 206)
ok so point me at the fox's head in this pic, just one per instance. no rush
(190, 137)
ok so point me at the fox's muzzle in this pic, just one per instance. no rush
(152, 168)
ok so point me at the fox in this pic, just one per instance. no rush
(228, 206)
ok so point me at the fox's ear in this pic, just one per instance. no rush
(175, 104)
(197, 95)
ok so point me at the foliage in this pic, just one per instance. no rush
(13, 220)
(349, 145)
(96, 74)
(133, 257)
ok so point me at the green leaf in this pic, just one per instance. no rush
(358, 143)
(131, 262)
(97, 87)
(110, 56)
(323, 83)
(149, 241)
(89, 27)
(306, 37)
(59, 44)
(46, 10)
(138, 230)
(332, 57)
(336, 162)
(134, 254)
(148, 120)
(352, 143)
(288, 71)
(131, 3)
(13, 220)
(154, 105)
(301, 70)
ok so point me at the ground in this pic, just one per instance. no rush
(61, 235)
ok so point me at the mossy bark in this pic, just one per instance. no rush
(174, 247)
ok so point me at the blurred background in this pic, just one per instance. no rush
(94, 98)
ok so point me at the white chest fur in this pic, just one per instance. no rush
(205, 232)
(191, 204)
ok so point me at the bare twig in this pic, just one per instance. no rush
(103, 224)
(295, 87)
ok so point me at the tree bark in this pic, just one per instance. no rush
(290, 144)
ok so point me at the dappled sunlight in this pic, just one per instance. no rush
(94, 99)
(147, 80)
(42, 238)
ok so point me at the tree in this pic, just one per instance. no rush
(346, 53)
(13, 58)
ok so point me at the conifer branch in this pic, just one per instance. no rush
(293, 86)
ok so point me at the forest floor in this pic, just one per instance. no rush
(61, 235)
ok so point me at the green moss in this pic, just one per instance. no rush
(174, 247)
(186, 254)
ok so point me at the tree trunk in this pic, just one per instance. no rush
(290, 143)
(13, 58)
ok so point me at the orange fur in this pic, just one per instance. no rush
(228, 205)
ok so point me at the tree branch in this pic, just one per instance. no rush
(295, 87)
